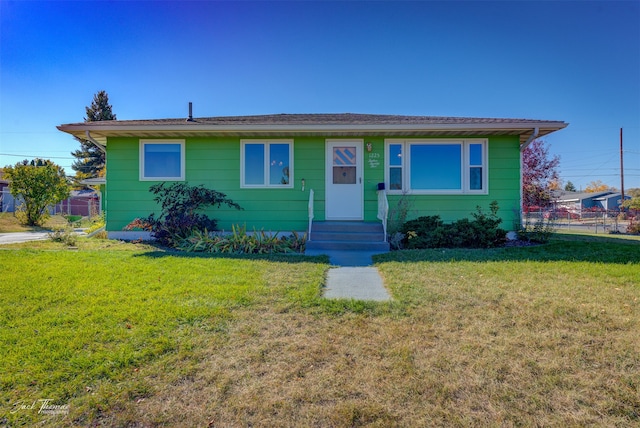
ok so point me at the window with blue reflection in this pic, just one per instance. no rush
(395, 166)
(266, 164)
(162, 160)
(395, 178)
(475, 154)
(436, 166)
(279, 164)
(475, 166)
(254, 164)
(395, 154)
(475, 178)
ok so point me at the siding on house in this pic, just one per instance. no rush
(504, 187)
(215, 162)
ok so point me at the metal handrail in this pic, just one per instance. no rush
(310, 213)
(383, 210)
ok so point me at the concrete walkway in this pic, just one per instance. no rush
(360, 283)
(352, 276)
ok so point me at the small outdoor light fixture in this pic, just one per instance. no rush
(303, 182)
(369, 147)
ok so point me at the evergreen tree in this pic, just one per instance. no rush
(90, 161)
(570, 187)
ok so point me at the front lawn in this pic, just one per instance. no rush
(125, 334)
(9, 223)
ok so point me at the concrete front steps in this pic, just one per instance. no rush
(347, 236)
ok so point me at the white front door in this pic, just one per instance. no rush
(343, 198)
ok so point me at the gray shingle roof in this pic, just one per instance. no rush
(567, 196)
(322, 119)
(331, 124)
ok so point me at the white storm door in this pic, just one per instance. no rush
(343, 198)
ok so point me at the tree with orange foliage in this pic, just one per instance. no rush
(598, 186)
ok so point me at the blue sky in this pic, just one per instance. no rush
(574, 61)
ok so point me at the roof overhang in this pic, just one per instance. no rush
(100, 132)
(96, 181)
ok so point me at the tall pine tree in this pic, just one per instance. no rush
(90, 161)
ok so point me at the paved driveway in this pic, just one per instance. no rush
(16, 237)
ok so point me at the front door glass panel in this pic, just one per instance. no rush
(344, 165)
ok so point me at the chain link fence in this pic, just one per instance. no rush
(593, 220)
(85, 205)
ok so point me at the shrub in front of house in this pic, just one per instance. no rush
(73, 220)
(482, 231)
(241, 242)
(634, 226)
(538, 231)
(180, 214)
(65, 235)
(423, 232)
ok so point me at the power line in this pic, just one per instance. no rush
(31, 156)
(599, 175)
(586, 168)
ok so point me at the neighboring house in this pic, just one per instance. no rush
(576, 201)
(268, 164)
(611, 201)
(99, 184)
(6, 198)
(84, 202)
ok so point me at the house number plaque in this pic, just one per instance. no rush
(374, 160)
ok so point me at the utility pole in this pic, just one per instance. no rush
(621, 173)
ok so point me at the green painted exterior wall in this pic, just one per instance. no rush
(215, 162)
(503, 185)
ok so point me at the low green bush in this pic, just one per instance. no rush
(422, 232)
(634, 226)
(96, 223)
(538, 231)
(73, 219)
(431, 232)
(65, 235)
(240, 242)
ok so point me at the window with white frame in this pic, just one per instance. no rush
(266, 163)
(162, 160)
(436, 166)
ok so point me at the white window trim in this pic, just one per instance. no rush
(468, 166)
(182, 160)
(266, 178)
(465, 166)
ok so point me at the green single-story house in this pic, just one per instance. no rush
(269, 164)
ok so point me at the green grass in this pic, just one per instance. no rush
(9, 223)
(74, 322)
(544, 335)
(129, 334)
